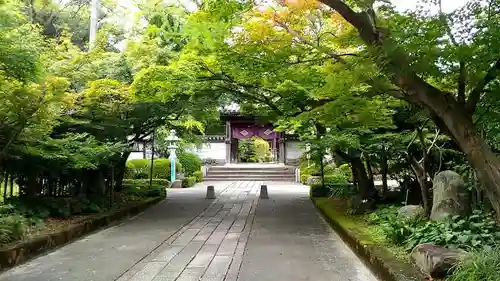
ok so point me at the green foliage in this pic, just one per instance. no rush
(330, 189)
(136, 168)
(145, 182)
(141, 189)
(319, 190)
(161, 168)
(246, 153)
(188, 182)
(477, 230)
(63, 207)
(479, 265)
(141, 168)
(190, 163)
(198, 175)
(12, 228)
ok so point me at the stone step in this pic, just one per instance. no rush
(249, 176)
(257, 167)
(251, 172)
(248, 179)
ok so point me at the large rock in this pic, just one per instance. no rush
(435, 260)
(450, 196)
(411, 212)
(313, 180)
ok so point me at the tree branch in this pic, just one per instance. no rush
(475, 95)
(462, 77)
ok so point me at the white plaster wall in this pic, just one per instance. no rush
(210, 151)
(136, 155)
(294, 149)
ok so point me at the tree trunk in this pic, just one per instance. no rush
(369, 168)
(6, 180)
(384, 170)
(365, 185)
(453, 118)
(120, 171)
(12, 186)
(421, 176)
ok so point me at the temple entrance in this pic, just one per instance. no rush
(254, 150)
(248, 141)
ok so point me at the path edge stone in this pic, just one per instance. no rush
(24, 251)
(382, 263)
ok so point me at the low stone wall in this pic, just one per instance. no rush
(23, 251)
(380, 260)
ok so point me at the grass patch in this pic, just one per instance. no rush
(359, 225)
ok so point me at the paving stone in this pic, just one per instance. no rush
(216, 237)
(217, 269)
(149, 271)
(234, 268)
(179, 262)
(169, 253)
(186, 237)
(204, 256)
(191, 274)
(229, 244)
(205, 233)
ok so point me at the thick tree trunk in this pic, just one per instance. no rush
(119, 171)
(459, 126)
(365, 185)
(452, 117)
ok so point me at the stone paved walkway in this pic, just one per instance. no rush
(236, 237)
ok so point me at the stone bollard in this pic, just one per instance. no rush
(263, 192)
(210, 192)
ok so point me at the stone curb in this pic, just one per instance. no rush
(23, 251)
(378, 259)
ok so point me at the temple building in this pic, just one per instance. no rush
(221, 142)
(223, 147)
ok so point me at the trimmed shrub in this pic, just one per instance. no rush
(136, 168)
(190, 163)
(146, 191)
(161, 168)
(188, 182)
(141, 168)
(145, 182)
(199, 176)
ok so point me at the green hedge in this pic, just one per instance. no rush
(140, 188)
(332, 189)
(145, 182)
(140, 168)
(199, 176)
(190, 163)
(154, 191)
(188, 182)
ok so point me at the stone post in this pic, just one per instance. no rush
(282, 151)
(228, 142)
(263, 192)
(210, 192)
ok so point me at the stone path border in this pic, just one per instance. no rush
(29, 249)
(378, 259)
